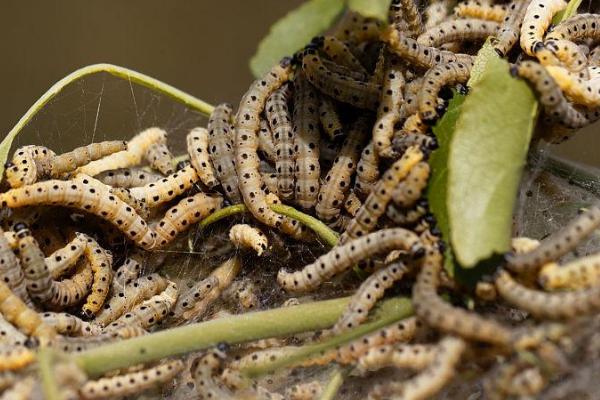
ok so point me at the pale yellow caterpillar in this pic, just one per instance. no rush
(367, 172)
(510, 29)
(414, 124)
(564, 53)
(136, 148)
(160, 158)
(72, 290)
(10, 269)
(406, 11)
(411, 91)
(132, 383)
(243, 235)
(86, 194)
(132, 294)
(329, 118)
(197, 148)
(266, 146)
(374, 207)
(339, 53)
(306, 142)
(204, 373)
(77, 344)
(138, 205)
(359, 94)
(71, 325)
(101, 262)
(339, 178)
(193, 295)
(578, 27)
(65, 258)
(15, 357)
(352, 203)
(279, 117)
(469, 29)
(436, 12)
(388, 113)
(478, 10)
(342, 257)
(270, 182)
(184, 214)
(220, 149)
(580, 273)
(432, 379)
(583, 92)
(67, 162)
(413, 356)
(406, 194)
(536, 21)
(344, 71)
(23, 168)
(304, 391)
(10, 335)
(127, 272)
(127, 178)
(167, 189)
(558, 244)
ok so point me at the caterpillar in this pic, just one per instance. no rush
(70, 291)
(340, 54)
(350, 23)
(510, 29)
(367, 171)
(561, 305)
(279, 117)
(246, 294)
(132, 383)
(197, 148)
(138, 205)
(373, 208)
(65, 258)
(24, 389)
(388, 113)
(270, 182)
(101, 262)
(57, 165)
(411, 92)
(410, 51)
(578, 27)
(151, 311)
(556, 107)
(246, 145)
(478, 10)
(87, 194)
(342, 257)
(194, 294)
(404, 140)
(536, 21)
(77, 344)
(304, 391)
(369, 292)
(15, 311)
(204, 371)
(413, 356)
(160, 158)
(430, 308)
(10, 335)
(410, 189)
(23, 169)
(127, 178)
(132, 294)
(243, 235)
(127, 272)
(436, 12)
(432, 379)
(338, 180)
(406, 11)
(437, 77)
(558, 244)
(136, 148)
(584, 92)
(594, 57)
(469, 29)
(167, 189)
(306, 143)
(184, 214)
(406, 217)
(266, 146)
(581, 273)
(344, 71)
(564, 53)
(352, 203)
(68, 324)
(10, 269)
(329, 118)
(220, 149)
(359, 94)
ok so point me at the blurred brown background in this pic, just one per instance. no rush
(202, 47)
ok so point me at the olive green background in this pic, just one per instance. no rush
(202, 47)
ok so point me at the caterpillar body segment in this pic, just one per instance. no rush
(197, 147)
(10, 269)
(536, 21)
(479, 10)
(194, 294)
(160, 158)
(304, 391)
(406, 11)
(183, 215)
(10, 335)
(342, 257)
(136, 149)
(100, 261)
(266, 147)
(243, 235)
(68, 162)
(339, 53)
(411, 189)
(329, 118)
(469, 29)
(567, 54)
(413, 356)
(339, 178)
(220, 149)
(388, 113)
(280, 120)
(270, 182)
(38, 280)
(68, 324)
(367, 171)
(23, 168)
(65, 258)
(577, 28)
(436, 12)
(581, 273)
(168, 188)
(352, 203)
(15, 357)
(127, 178)
(127, 272)
(71, 291)
(510, 30)
(138, 205)
(582, 92)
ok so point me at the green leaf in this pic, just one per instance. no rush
(371, 8)
(293, 31)
(485, 162)
(567, 12)
(486, 53)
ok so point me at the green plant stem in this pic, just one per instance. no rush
(49, 386)
(222, 213)
(333, 385)
(115, 70)
(387, 313)
(235, 329)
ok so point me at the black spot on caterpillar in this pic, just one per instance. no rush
(342, 88)
(342, 257)
(160, 158)
(583, 272)
(138, 205)
(15, 357)
(23, 169)
(410, 190)
(65, 258)
(388, 113)
(127, 177)
(270, 182)
(435, 79)
(86, 194)
(558, 244)
(338, 180)
(406, 12)
(367, 172)
(136, 148)
(167, 189)
(280, 121)
(340, 54)
(510, 29)
(536, 21)
(374, 207)
(101, 262)
(184, 214)
(478, 10)
(243, 235)
(10, 270)
(413, 356)
(195, 294)
(71, 325)
(220, 149)
(131, 383)
(306, 142)
(329, 118)
(197, 148)
(352, 203)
